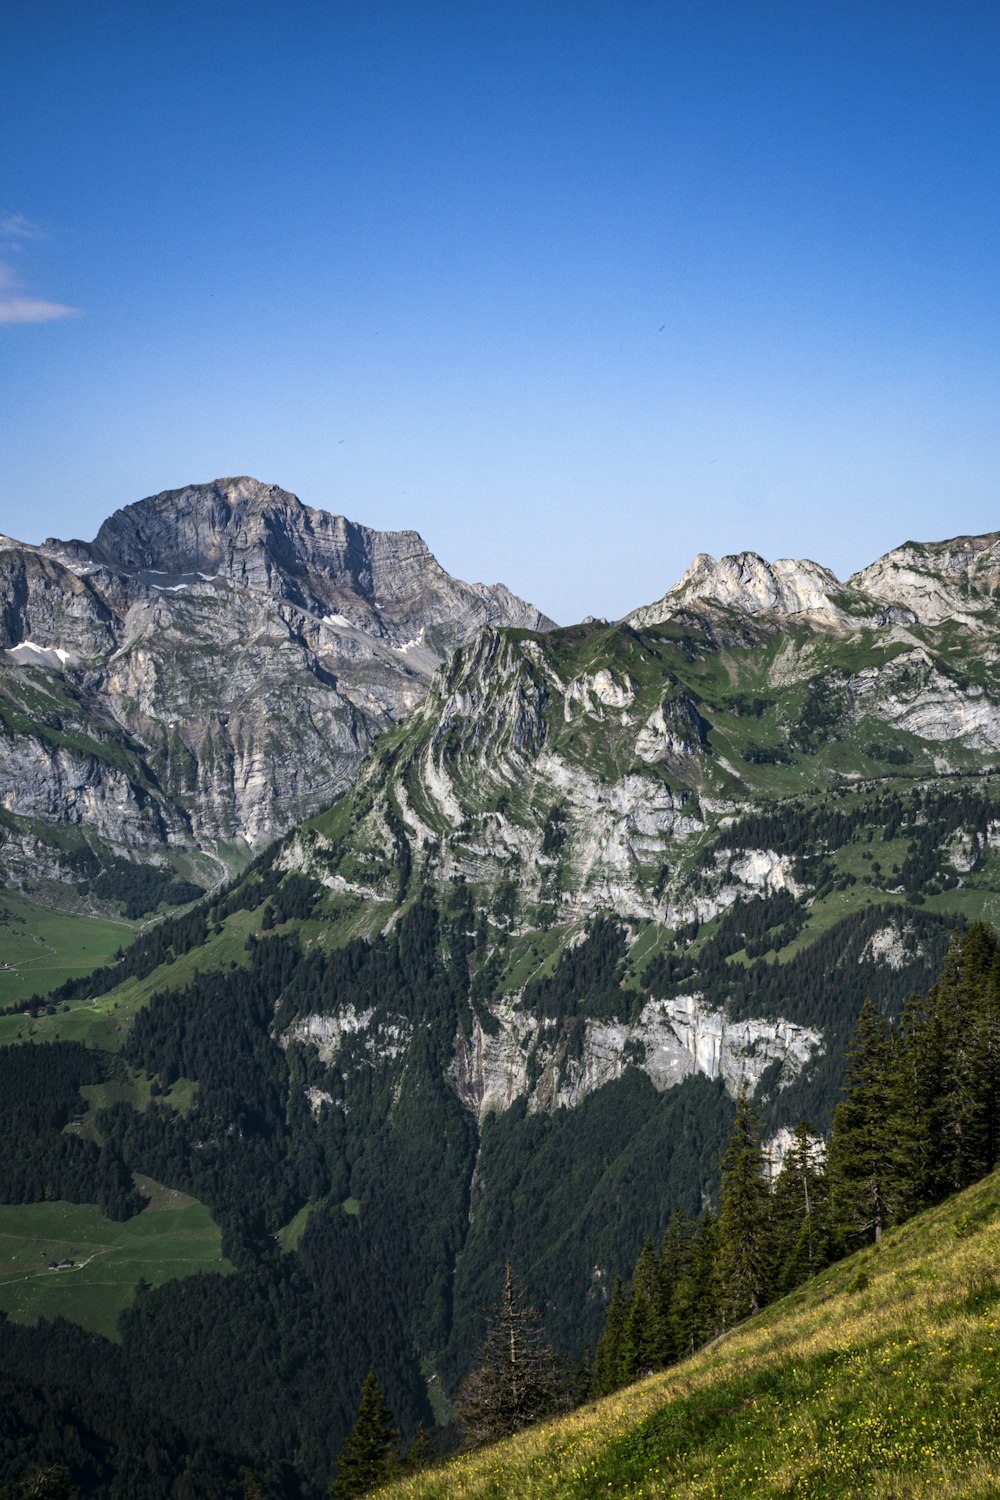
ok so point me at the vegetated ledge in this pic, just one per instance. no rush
(877, 1378)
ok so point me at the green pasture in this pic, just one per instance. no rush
(105, 1021)
(41, 946)
(174, 1236)
(291, 1233)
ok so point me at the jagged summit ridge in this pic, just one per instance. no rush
(260, 537)
(917, 583)
(746, 582)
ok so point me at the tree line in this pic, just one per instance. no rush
(918, 1121)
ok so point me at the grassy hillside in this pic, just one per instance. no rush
(878, 1378)
(42, 945)
(174, 1236)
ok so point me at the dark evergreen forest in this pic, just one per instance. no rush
(918, 1120)
(411, 1213)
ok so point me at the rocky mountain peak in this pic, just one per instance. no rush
(746, 582)
(247, 646)
(258, 536)
(954, 579)
(262, 538)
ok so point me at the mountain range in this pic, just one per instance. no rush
(543, 902)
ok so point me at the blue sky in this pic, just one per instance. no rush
(575, 289)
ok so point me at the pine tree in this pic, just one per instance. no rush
(676, 1252)
(518, 1380)
(695, 1307)
(990, 1022)
(372, 1447)
(865, 1181)
(641, 1335)
(960, 1001)
(745, 1264)
(913, 1126)
(420, 1453)
(800, 1215)
(606, 1375)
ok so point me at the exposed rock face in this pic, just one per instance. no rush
(671, 1040)
(918, 583)
(747, 583)
(630, 759)
(937, 581)
(247, 647)
(891, 945)
(522, 1057)
(328, 1033)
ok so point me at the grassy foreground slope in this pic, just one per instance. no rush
(878, 1378)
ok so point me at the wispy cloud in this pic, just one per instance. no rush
(15, 305)
(17, 227)
(33, 310)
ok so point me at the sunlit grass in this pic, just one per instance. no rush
(173, 1237)
(887, 1391)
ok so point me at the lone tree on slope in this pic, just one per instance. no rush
(518, 1380)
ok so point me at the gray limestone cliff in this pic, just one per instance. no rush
(918, 583)
(213, 666)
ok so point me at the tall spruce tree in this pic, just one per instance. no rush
(518, 1379)
(990, 1021)
(606, 1375)
(371, 1451)
(913, 1126)
(959, 1002)
(800, 1214)
(866, 1186)
(641, 1335)
(676, 1251)
(745, 1261)
(695, 1308)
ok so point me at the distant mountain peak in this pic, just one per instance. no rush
(746, 582)
(917, 583)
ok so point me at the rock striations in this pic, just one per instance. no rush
(212, 667)
(923, 583)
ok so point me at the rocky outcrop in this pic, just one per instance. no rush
(935, 581)
(671, 1040)
(745, 582)
(518, 1056)
(250, 648)
(918, 583)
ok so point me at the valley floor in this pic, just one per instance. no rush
(878, 1378)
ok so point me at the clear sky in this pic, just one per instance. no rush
(576, 288)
